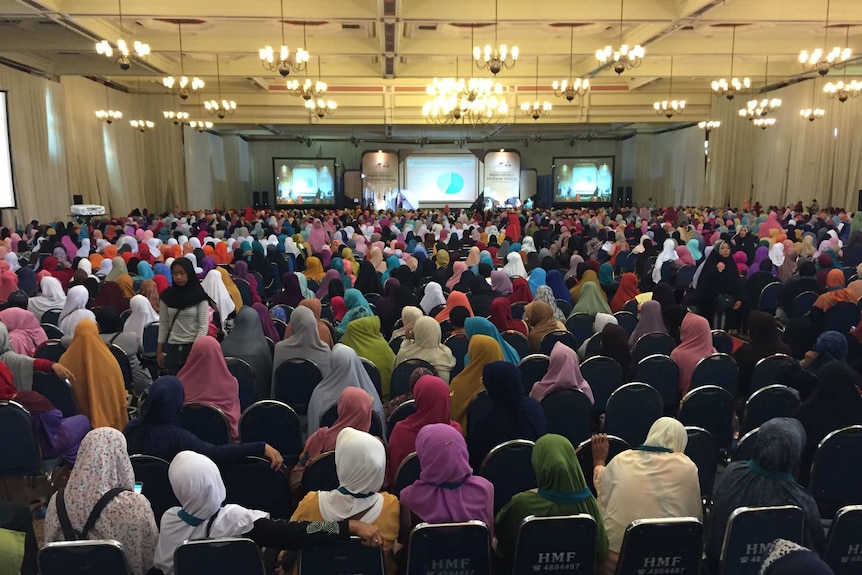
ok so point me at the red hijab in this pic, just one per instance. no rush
(628, 290)
(206, 379)
(520, 291)
(501, 317)
(354, 410)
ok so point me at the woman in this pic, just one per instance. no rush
(655, 480)
(545, 294)
(431, 395)
(458, 269)
(156, 432)
(303, 343)
(367, 280)
(520, 291)
(395, 298)
(354, 411)
(717, 286)
(514, 267)
(555, 281)
(767, 479)
(183, 316)
(615, 345)
(346, 370)
(651, 321)
(25, 333)
(481, 296)
(501, 317)
(433, 297)
(363, 336)
(627, 291)
(562, 490)
(668, 254)
(357, 308)
(142, 315)
(246, 342)
(481, 326)
(240, 272)
(291, 293)
(75, 310)
(426, 345)
(111, 295)
(215, 289)
(467, 384)
(696, 345)
(102, 466)
(409, 315)
(206, 379)
(765, 341)
(835, 292)
(589, 277)
(324, 329)
(784, 557)
(540, 319)
(537, 278)
(52, 297)
(802, 375)
(198, 485)
(454, 300)
(150, 290)
(591, 300)
(511, 415)
(98, 384)
(564, 372)
(111, 332)
(447, 491)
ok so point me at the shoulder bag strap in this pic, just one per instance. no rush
(99, 507)
(210, 523)
(69, 533)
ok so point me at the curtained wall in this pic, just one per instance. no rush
(218, 170)
(668, 167)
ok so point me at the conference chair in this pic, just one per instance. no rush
(627, 320)
(57, 391)
(252, 483)
(407, 473)
(320, 473)
(480, 405)
(631, 410)
(717, 369)
(395, 344)
(841, 317)
(348, 557)
(400, 382)
(280, 327)
(568, 413)
(52, 331)
(517, 309)
(702, 451)
(509, 468)
(671, 545)
(632, 307)
(51, 349)
(559, 544)
(766, 370)
(580, 325)
(745, 446)
(275, 423)
(224, 556)
(803, 303)
(652, 344)
(722, 342)
(466, 547)
(709, 407)
(750, 531)
(584, 452)
(52, 316)
(836, 470)
(564, 306)
(399, 414)
(458, 345)
(373, 375)
(92, 557)
(767, 403)
(125, 367)
(844, 543)
(330, 416)
(244, 291)
(768, 300)
(532, 369)
(20, 454)
(258, 279)
(662, 373)
(594, 345)
(152, 472)
(560, 335)
(295, 380)
(150, 340)
(604, 375)
(207, 422)
(244, 374)
(518, 341)
(288, 311)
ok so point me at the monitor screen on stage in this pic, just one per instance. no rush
(7, 183)
(304, 181)
(442, 179)
(583, 179)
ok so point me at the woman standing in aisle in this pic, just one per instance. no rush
(183, 317)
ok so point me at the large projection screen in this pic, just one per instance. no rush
(304, 181)
(442, 178)
(584, 179)
(7, 182)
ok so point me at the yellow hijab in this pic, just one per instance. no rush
(588, 277)
(314, 269)
(231, 287)
(127, 286)
(467, 384)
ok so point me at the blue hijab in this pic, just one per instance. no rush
(481, 326)
(145, 271)
(163, 270)
(537, 279)
(555, 281)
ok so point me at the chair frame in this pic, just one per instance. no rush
(741, 511)
(422, 526)
(214, 542)
(72, 545)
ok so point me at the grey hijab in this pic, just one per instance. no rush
(303, 343)
(247, 342)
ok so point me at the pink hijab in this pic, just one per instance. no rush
(685, 258)
(354, 410)
(317, 237)
(25, 334)
(696, 344)
(458, 268)
(70, 247)
(206, 379)
(564, 372)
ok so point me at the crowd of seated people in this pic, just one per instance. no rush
(421, 332)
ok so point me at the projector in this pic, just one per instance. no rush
(88, 210)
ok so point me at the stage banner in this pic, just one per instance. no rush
(502, 176)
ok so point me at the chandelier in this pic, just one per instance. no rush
(200, 125)
(760, 108)
(842, 91)
(176, 118)
(182, 86)
(821, 60)
(108, 115)
(763, 123)
(536, 109)
(105, 49)
(577, 87)
(812, 114)
(320, 107)
(496, 57)
(478, 101)
(142, 125)
(730, 88)
(625, 57)
(220, 107)
(308, 90)
(669, 107)
(286, 62)
(709, 125)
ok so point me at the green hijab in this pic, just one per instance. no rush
(591, 300)
(562, 491)
(363, 335)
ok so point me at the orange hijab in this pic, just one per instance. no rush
(456, 298)
(835, 291)
(126, 284)
(628, 289)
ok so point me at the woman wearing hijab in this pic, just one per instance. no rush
(668, 254)
(467, 384)
(802, 375)
(291, 293)
(765, 480)
(514, 267)
(346, 370)
(432, 298)
(111, 295)
(564, 372)
(501, 317)
(765, 341)
(454, 300)
(615, 345)
(217, 292)
(520, 291)
(142, 315)
(480, 326)
(103, 465)
(511, 415)
(304, 342)
(245, 341)
(25, 333)
(409, 315)
(540, 319)
(363, 336)
(150, 290)
(375, 258)
(835, 293)
(536, 279)
(431, 395)
(655, 480)
(206, 379)
(156, 432)
(501, 283)
(719, 280)
(591, 301)
(8, 284)
(784, 557)
(111, 332)
(395, 298)
(183, 316)
(589, 277)
(426, 345)
(229, 285)
(696, 344)
(651, 321)
(627, 290)
(240, 272)
(357, 308)
(266, 323)
(458, 269)
(75, 310)
(562, 490)
(544, 294)
(324, 329)
(555, 281)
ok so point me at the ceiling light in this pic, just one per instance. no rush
(822, 60)
(841, 90)
(104, 47)
(763, 123)
(220, 107)
(623, 58)
(709, 125)
(321, 107)
(669, 107)
(201, 126)
(536, 109)
(567, 88)
(285, 63)
(812, 114)
(182, 86)
(108, 116)
(496, 57)
(142, 125)
(730, 88)
(176, 118)
(760, 108)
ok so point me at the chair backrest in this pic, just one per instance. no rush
(561, 544)
(701, 449)
(295, 380)
(247, 383)
(509, 468)
(400, 382)
(341, 558)
(662, 373)
(653, 343)
(20, 454)
(627, 320)
(373, 375)
(51, 349)
(564, 306)
(580, 325)
(594, 345)
(631, 410)
(769, 402)
(206, 421)
(803, 303)
(52, 331)
(745, 446)
(225, 556)
(320, 473)
(330, 416)
(765, 371)
(533, 368)
(717, 369)
(843, 551)
(400, 413)
(768, 299)
(551, 339)
(604, 375)
(395, 344)
(631, 306)
(750, 531)
(841, 317)
(92, 557)
(244, 291)
(684, 276)
(518, 341)
(568, 413)
(280, 327)
(709, 407)
(444, 547)
(671, 545)
(152, 472)
(458, 344)
(52, 316)
(150, 339)
(57, 391)
(584, 451)
(252, 483)
(517, 309)
(835, 471)
(275, 423)
(123, 361)
(407, 473)
(722, 342)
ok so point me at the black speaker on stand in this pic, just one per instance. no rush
(255, 200)
(77, 199)
(859, 202)
(627, 197)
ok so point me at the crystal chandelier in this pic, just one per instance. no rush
(200, 125)
(176, 118)
(220, 107)
(182, 86)
(104, 48)
(536, 109)
(730, 88)
(760, 108)
(841, 90)
(286, 62)
(569, 89)
(709, 125)
(496, 57)
(821, 60)
(108, 115)
(763, 123)
(669, 107)
(142, 125)
(320, 107)
(625, 57)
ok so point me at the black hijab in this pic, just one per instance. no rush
(189, 295)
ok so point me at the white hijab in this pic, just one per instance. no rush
(668, 254)
(198, 485)
(215, 288)
(192, 258)
(75, 309)
(528, 245)
(360, 461)
(433, 297)
(106, 266)
(776, 254)
(84, 250)
(142, 315)
(514, 267)
(52, 297)
(12, 259)
(87, 267)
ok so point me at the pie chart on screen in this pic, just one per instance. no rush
(450, 183)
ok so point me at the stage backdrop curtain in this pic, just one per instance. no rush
(668, 167)
(217, 170)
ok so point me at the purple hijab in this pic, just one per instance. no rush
(266, 322)
(447, 491)
(240, 271)
(501, 283)
(291, 294)
(651, 321)
(761, 254)
(208, 265)
(329, 277)
(564, 372)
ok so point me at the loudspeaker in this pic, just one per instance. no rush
(264, 199)
(859, 202)
(255, 200)
(627, 197)
(77, 199)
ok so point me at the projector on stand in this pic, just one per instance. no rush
(83, 212)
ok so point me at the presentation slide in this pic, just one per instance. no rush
(442, 179)
(7, 184)
(304, 181)
(583, 179)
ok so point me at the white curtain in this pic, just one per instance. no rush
(668, 167)
(218, 172)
